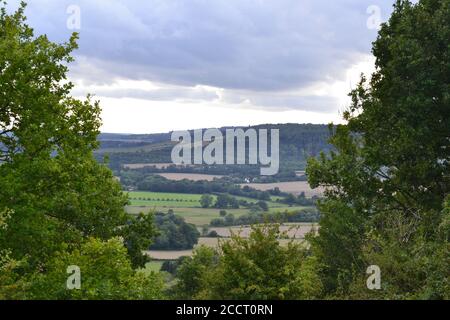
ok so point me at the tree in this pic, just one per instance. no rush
(290, 199)
(275, 191)
(223, 213)
(58, 195)
(174, 233)
(106, 274)
(233, 202)
(263, 205)
(191, 274)
(171, 266)
(229, 219)
(222, 201)
(206, 201)
(47, 138)
(12, 285)
(388, 176)
(260, 268)
(264, 196)
(254, 268)
(139, 234)
(213, 234)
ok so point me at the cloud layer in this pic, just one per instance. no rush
(261, 53)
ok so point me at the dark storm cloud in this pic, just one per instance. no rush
(253, 45)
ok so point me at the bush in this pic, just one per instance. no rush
(106, 273)
(213, 234)
(174, 233)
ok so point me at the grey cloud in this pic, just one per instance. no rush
(191, 94)
(253, 45)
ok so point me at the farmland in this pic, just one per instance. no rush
(169, 200)
(197, 216)
(188, 206)
(295, 232)
(292, 231)
(294, 187)
(135, 166)
(164, 200)
(190, 176)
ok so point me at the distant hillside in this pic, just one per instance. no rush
(297, 142)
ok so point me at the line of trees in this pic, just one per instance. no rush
(257, 217)
(156, 183)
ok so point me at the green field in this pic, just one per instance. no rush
(197, 216)
(164, 200)
(188, 206)
(271, 204)
(181, 200)
(200, 216)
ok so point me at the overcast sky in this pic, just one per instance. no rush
(161, 65)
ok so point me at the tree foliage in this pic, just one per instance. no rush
(174, 233)
(56, 195)
(106, 274)
(255, 268)
(389, 176)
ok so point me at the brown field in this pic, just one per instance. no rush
(173, 255)
(295, 187)
(296, 233)
(210, 242)
(214, 242)
(189, 176)
(168, 255)
(293, 231)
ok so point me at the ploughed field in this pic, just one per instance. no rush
(294, 187)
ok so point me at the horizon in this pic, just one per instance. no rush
(222, 127)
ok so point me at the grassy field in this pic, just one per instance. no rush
(197, 216)
(271, 204)
(164, 200)
(188, 206)
(200, 216)
(180, 200)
